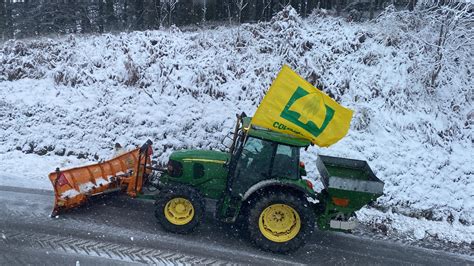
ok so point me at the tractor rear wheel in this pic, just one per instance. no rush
(280, 222)
(179, 209)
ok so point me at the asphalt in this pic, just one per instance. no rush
(116, 230)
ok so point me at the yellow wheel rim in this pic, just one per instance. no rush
(179, 211)
(279, 223)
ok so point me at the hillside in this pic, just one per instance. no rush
(77, 95)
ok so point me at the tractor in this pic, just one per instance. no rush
(257, 184)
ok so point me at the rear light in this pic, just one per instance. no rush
(62, 180)
(302, 164)
(309, 184)
(340, 202)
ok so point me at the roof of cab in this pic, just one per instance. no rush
(270, 135)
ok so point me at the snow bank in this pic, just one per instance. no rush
(31, 170)
(415, 229)
(77, 96)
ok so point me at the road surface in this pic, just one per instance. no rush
(123, 231)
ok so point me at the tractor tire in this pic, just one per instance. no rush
(280, 222)
(179, 209)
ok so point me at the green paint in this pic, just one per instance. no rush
(294, 117)
(200, 154)
(347, 172)
(214, 174)
(212, 183)
(357, 200)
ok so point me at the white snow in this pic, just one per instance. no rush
(417, 229)
(81, 94)
(70, 193)
(31, 170)
(101, 181)
(86, 187)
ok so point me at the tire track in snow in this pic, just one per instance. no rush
(108, 250)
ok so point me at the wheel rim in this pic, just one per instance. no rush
(179, 211)
(279, 223)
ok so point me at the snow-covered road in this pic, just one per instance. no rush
(119, 229)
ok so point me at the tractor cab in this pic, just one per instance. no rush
(261, 160)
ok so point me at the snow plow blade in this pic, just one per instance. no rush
(126, 173)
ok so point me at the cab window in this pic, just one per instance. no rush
(256, 157)
(285, 163)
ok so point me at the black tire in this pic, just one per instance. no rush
(301, 206)
(191, 195)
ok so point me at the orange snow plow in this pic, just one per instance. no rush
(126, 172)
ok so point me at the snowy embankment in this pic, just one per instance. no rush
(77, 96)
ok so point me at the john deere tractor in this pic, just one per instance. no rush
(257, 184)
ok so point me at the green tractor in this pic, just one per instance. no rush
(258, 184)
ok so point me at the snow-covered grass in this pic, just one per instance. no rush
(31, 170)
(77, 96)
(415, 229)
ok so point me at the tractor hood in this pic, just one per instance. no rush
(205, 156)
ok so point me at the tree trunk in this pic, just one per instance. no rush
(109, 16)
(101, 18)
(124, 15)
(439, 54)
(138, 14)
(371, 9)
(2, 20)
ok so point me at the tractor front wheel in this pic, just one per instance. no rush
(280, 222)
(179, 209)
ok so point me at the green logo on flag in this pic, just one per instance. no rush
(294, 117)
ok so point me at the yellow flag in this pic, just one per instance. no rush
(293, 106)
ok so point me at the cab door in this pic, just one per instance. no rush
(253, 166)
(253, 162)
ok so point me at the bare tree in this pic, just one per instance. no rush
(241, 5)
(266, 10)
(3, 19)
(204, 11)
(109, 20)
(167, 11)
(455, 37)
(151, 14)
